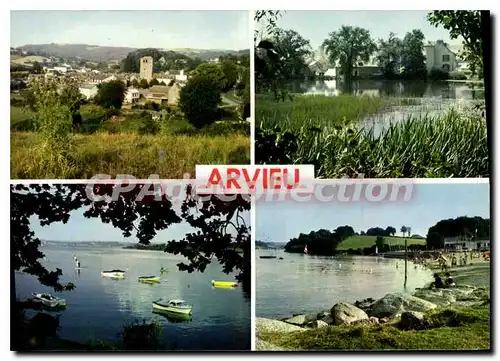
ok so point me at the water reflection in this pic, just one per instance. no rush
(417, 89)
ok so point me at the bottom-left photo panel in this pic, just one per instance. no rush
(129, 267)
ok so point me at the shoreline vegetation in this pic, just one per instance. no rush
(455, 318)
(161, 247)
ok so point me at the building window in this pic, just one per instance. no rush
(446, 58)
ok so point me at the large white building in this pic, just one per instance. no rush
(132, 95)
(439, 56)
(89, 91)
(460, 243)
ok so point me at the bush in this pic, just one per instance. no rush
(148, 126)
(458, 76)
(145, 336)
(178, 127)
(111, 94)
(227, 128)
(112, 112)
(438, 74)
(199, 101)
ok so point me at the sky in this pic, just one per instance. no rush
(281, 221)
(81, 229)
(316, 25)
(228, 30)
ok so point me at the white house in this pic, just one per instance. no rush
(131, 96)
(89, 91)
(460, 243)
(61, 69)
(439, 56)
(181, 77)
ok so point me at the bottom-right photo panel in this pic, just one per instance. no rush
(379, 267)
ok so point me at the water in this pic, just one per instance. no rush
(302, 284)
(412, 98)
(99, 308)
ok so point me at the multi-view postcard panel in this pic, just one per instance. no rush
(368, 180)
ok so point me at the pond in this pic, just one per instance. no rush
(98, 308)
(408, 98)
(304, 283)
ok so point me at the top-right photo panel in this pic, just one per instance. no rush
(374, 94)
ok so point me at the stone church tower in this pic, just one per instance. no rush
(146, 68)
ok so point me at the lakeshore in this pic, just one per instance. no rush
(455, 318)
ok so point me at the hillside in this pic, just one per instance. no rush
(108, 53)
(360, 242)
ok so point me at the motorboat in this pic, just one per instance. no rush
(149, 279)
(48, 300)
(173, 306)
(113, 274)
(224, 284)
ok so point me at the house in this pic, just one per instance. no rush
(61, 69)
(132, 95)
(89, 91)
(461, 243)
(181, 77)
(439, 56)
(162, 94)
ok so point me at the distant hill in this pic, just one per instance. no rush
(109, 53)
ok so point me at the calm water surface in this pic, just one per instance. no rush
(99, 307)
(431, 99)
(301, 284)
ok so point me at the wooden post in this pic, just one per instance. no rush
(406, 260)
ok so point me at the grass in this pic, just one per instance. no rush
(360, 242)
(324, 132)
(470, 331)
(315, 109)
(169, 156)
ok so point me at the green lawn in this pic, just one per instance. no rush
(360, 242)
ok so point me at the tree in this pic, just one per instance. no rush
(143, 84)
(293, 49)
(380, 243)
(376, 231)
(349, 46)
(135, 83)
(389, 55)
(37, 68)
(403, 230)
(408, 230)
(468, 26)
(230, 71)
(111, 94)
(390, 231)
(213, 72)
(344, 232)
(153, 82)
(467, 227)
(199, 100)
(220, 231)
(412, 55)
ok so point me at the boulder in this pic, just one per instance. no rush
(366, 322)
(394, 304)
(323, 314)
(412, 320)
(301, 320)
(344, 314)
(440, 297)
(365, 304)
(316, 324)
(261, 345)
(268, 325)
(321, 324)
(328, 320)
(383, 320)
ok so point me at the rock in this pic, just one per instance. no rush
(268, 325)
(383, 320)
(301, 320)
(261, 345)
(412, 320)
(366, 322)
(441, 297)
(365, 304)
(316, 324)
(393, 304)
(323, 314)
(328, 320)
(321, 324)
(344, 314)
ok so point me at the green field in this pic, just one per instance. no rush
(360, 242)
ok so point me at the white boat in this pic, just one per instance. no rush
(48, 300)
(174, 306)
(116, 273)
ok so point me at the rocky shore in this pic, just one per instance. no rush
(407, 312)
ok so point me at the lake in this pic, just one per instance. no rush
(304, 283)
(427, 98)
(99, 308)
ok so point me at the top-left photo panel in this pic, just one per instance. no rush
(136, 93)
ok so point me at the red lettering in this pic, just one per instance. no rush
(274, 178)
(265, 182)
(233, 179)
(251, 182)
(215, 178)
(296, 180)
